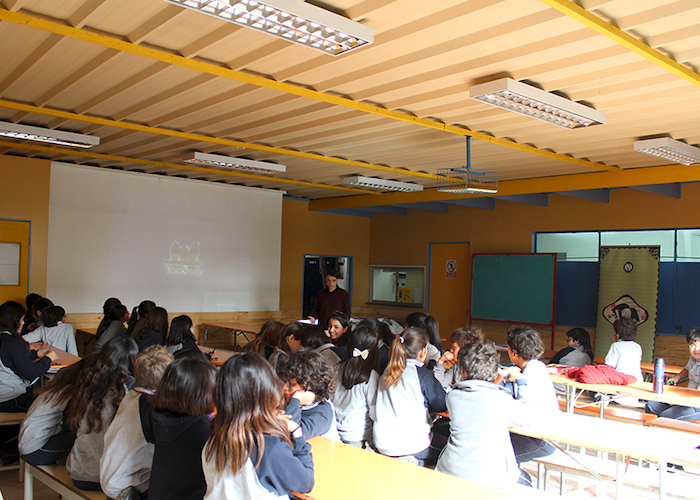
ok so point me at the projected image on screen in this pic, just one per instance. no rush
(189, 246)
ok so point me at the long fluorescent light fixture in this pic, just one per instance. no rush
(525, 99)
(669, 149)
(233, 162)
(383, 184)
(41, 134)
(291, 20)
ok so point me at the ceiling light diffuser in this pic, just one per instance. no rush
(382, 184)
(669, 149)
(525, 99)
(291, 20)
(41, 134)
(233, 162)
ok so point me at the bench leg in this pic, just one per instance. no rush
(21, 469)
(28, 484)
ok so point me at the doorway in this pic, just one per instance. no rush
(14, 260)
(315, 267)
(449, 285)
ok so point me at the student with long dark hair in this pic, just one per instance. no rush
(432, 328)
(183, 405)
(116, 315)
(250, 453)
(268, 339)
(155, 330)
(106, 317)
(99, 390)
(384, 339)
(316, 339)
(138, 317)
(579, 351)
(180, 335)
(19, 365)
(292, 336)
(44, 435)
(356, 388)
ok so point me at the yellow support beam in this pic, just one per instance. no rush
(141, 161)
(206, 138)
(594, 180)
(159, 55)
(616, 34)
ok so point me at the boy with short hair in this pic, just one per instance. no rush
(692, 371)
(459, 339)
(531, 384)
(479, 447)
(125, 466)
(625, 355)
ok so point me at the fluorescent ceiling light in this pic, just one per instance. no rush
(233, 162)
(291, 20)
(386, 185)
(669, 149)
(41, 134)
(522, 98)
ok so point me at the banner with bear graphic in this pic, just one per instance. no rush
(628, 287)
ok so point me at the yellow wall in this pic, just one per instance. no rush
(25, 195)
(318, 233)
(509, 228)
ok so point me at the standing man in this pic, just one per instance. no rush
(330, 299)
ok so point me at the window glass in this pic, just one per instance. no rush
(569, 247)
(688, 245)
(9, 263)
(664, 238)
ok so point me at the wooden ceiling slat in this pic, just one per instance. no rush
(30, 61)
(138, 34)
(81, 16)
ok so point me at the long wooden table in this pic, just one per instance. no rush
(236, 329)
(625, 440)
(218, 356)
(343, 472)
(63, 359)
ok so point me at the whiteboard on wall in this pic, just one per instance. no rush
(189, 246)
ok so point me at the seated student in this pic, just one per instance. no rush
(155, 330)
(407, 393)
(531, 384)
(116, 315)
(39, 307)
(431, 327)
(258, 459)
(183, 405)
(625, 355)
(44, 436)
(290, 343)
(308, 385)
(692, 371)
(125, 465)
(268, 339)
(106, 319)
(316, 339)
(181, 334)
(339, 333)
(460, 338)
(384, 339)
(356, 388)
(579, 352)
(30, 323)
(19, 365)
(479, 447)
(138, 317)
(55, 332)
(99, 390)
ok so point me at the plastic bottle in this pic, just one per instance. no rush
(659, 372)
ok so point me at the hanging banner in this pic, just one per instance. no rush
(628, 287)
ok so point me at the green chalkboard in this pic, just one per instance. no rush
(514, 287)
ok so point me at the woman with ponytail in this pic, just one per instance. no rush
(408, 392)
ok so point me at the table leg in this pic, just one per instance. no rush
(28, 483)
(206, 334)
(620, 478)
(662, 479)
(569, 399)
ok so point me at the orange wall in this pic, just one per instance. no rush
(25, 196)
(318, 233)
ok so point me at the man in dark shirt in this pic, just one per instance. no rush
(331, 299)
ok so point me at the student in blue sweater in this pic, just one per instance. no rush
(308, 386)
(408, 392)
(250, 453)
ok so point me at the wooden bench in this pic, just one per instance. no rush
(613, 412)
(13, 419)
(679, 425)
(58, 479)
(603, 470)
